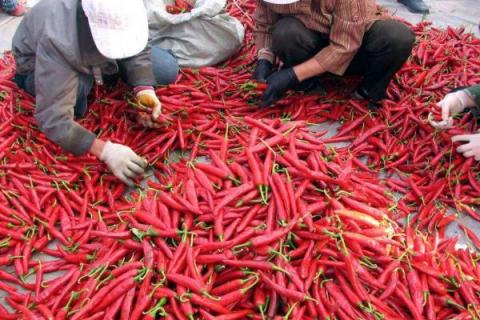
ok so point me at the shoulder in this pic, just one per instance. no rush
(52, 6)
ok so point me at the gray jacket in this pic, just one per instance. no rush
(54, 42)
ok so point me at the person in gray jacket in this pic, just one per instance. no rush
(62, 46)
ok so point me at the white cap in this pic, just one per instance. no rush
(281, 1)
(119, 27)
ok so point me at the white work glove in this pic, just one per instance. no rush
(451, 105)
(472, 146)
(148, 99)
(123, 162)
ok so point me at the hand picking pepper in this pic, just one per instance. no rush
(278, 84)
(454, 103)
(123, 162)
(147, 98)
(310, 43)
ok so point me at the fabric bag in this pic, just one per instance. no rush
(203, 37)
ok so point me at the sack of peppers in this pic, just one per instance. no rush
(255, 215)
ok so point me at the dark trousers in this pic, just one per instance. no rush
(385, 48)
(85, 84)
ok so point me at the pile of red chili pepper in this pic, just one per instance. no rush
(249, 213)
(180, 6)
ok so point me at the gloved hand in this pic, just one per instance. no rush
(262, 70)
(471, 148)
(454, 103)
(148, 99)
(278, 84)
(123, 162)
(146, 120)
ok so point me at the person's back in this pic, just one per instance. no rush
(57, 61)
(62, 46)
(50, 24)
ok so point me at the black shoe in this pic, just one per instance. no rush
(361, 94)
(415, 6)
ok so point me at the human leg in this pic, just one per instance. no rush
(85, 84)
(165, 66)
(26, 82)
(385, 48)
(293, 43)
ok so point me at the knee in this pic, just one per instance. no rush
(286, 32)
(165, 66)
(401, 38)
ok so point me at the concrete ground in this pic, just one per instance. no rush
(442, 13)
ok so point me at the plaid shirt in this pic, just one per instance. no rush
(345, 21)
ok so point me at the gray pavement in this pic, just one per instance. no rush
(443, 13)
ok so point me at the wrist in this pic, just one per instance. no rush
(139, 89)
(294, 77)
(300, 73)
(97, 148)
(467, 99)
(308, 69)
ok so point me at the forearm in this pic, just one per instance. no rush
(68, 134)
(308, 69)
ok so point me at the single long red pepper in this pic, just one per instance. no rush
(54, 286)
(283, 292)
(187, 282)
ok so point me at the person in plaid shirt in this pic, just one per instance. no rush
(341, 37)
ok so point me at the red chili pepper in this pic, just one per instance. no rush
(55, 285)
(126, 308)
(284, 292)
(187, 282)
(233, 194)
(108, 294)
(66, 290)
(45, 311)
(209, 304)
(271, 237)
